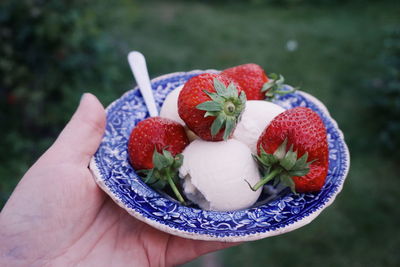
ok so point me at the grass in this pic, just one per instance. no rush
(337, 58)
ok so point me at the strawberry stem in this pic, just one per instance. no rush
(226, 105)
(175, 189)
(282, 164)
(266, 179)
(229, 108)
(274, 87)
(165, 171)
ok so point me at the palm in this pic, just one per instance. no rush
(58, 215)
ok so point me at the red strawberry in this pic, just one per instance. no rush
(150, 137)
(294, 149)
(251, 78)
(254, 82)
(211, 105)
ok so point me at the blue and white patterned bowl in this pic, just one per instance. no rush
(284, 213)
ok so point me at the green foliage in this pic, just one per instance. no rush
(283, 2)
(386, 102)
(48, 50)
(50, 53)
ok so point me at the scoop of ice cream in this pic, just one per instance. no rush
(256, 117)
(169, 108)
(214, 175)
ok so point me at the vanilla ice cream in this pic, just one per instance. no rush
(256, 117)
(214, 175)
(169, 108)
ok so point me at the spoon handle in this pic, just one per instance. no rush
(138, 66)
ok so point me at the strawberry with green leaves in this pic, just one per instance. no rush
(293, 150)
(211, 106)
(255, 83)
(154, 148)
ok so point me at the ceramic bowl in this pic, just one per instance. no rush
(282, 213)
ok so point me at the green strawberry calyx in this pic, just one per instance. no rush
(282, 165)
(165, 171)
(226, 105)
(275, 86)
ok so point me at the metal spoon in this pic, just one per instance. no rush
(138, 66)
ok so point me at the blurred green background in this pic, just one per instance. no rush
(346, 53)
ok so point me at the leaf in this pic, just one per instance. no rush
(159, 161)
(214, 96)
(178, 161)
(289, 160)
(266, 170)
(288, 181)
(229, 126)
(280, 81)
(255, 157)
(273, 76)
(269, 159)
(270, 94)
(220, 88)
(232, 91)
(156, 159)
(267, 85)
(300, 173)
(209, 106)
(211, 114)
(281, 150)
(264, 161)
(168, 156)
(273, 86)
(262, 151)
(217, 124)
(149, 176)
(243, 97)
(301, 162)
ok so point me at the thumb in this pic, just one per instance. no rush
(81, 136)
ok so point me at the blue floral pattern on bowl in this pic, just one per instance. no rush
(285, 212)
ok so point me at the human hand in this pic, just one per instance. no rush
(58, 216)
